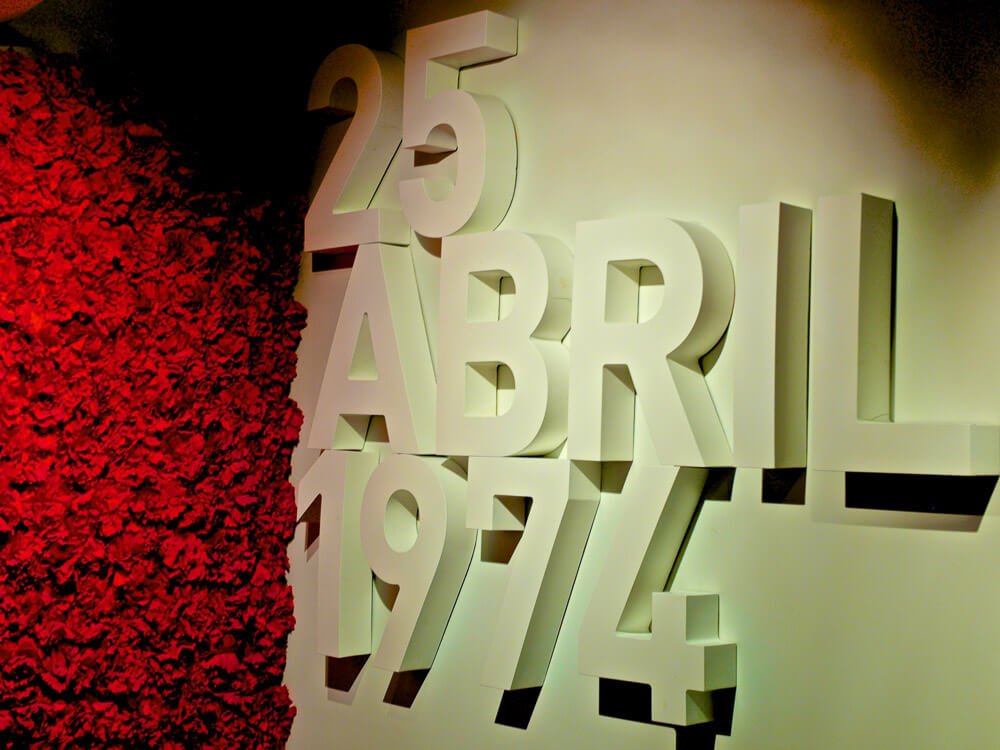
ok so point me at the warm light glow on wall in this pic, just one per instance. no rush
(601, 364)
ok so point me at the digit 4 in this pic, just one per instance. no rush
(633, 629)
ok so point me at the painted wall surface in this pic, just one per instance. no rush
(855, 628)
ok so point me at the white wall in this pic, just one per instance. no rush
(849, 635)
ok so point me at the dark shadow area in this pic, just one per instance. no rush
(334, 261)
(700, 737)
(893, 301)
(718, 487)
(620, 699)
(517, 706)
(783, 486)
(613, 475)
(229, 79)
(312, 533)
(311, 519)
(723, 707)
(939, 64)
(919, 493)
(719, 484)
(499, 546)
(342, 673)
(404, 686)
(708, 361)
(11, 38)
(387, 592)
(632, 701)
(430, 245)
(424, 159)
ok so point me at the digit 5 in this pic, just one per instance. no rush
(475, 132)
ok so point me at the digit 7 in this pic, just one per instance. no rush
(554, 502)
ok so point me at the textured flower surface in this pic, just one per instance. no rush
(147, 345)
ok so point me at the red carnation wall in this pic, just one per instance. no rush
(147, 344)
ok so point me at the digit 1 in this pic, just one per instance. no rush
(333, 488)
